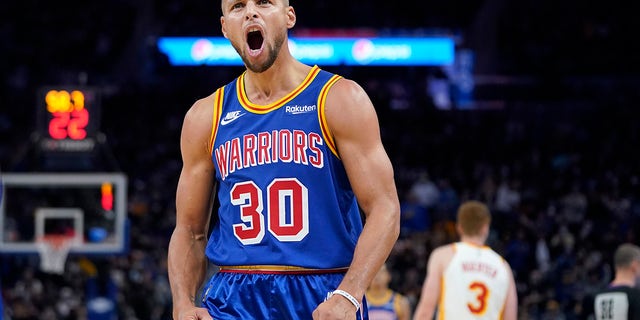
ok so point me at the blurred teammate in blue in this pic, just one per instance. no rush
(384, 303)
(295, 155)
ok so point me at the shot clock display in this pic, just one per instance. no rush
(68, 119)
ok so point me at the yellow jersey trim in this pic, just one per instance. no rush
(441, 302)
(217, 110)
(322, 117)
(262, 109)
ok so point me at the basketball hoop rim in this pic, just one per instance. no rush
(56, 241)
(53, 250)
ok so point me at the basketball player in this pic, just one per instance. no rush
(468, 280)
(621, 299)
(384, 303)
(289, 148)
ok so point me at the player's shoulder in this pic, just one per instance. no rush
(444, 250)
(498, 255)
(348, 109)
(633, 289)
(206, 102)
(203, 107)
(489, 251)
(493, 252)
(199, 117)
(345, 88)
(345, 91)
(400, 300)
(400, 297)
(450, 247)
(631, 292)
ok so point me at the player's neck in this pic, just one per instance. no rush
(477, 241)
(624, 278)
(282, 77)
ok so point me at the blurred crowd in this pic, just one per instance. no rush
(551, 146)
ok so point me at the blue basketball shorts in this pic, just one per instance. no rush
(273, 296)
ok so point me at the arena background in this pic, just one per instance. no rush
(548, 136)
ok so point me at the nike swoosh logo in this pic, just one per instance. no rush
(227, 120)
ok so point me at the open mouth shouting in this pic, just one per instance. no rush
(255, 41)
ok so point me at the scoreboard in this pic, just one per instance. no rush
(68, 119)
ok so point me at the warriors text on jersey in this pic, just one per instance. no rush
(284, 194)
(474, 284)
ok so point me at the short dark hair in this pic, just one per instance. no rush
(625, 255)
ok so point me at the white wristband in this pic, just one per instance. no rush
(347, 295)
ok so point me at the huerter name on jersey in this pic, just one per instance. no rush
(473, 266)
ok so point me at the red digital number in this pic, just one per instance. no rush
(58, 125)
(69, 124)
(107, 196)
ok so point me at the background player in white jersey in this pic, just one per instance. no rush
(296, 153)
(467, 279)
(385, 303)
(621, 299)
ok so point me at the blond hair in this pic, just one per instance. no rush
(472, 217)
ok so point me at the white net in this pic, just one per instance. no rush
(53, 251)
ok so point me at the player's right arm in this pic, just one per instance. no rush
(187, 263)
(404, 308)
(431, 289)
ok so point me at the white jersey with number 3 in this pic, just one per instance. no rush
(474, 284)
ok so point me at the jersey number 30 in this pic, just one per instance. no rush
(287, 210)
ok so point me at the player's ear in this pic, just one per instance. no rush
(459, 229)
(223, 27)
(635, 265)
(486, 229)
(291, 17)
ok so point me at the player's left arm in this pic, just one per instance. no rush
(432, 286)
(354, 124)
(511, 305)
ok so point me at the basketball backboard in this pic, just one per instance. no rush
(88, 207)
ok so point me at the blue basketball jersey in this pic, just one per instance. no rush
(385, 308)
(283, 192)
